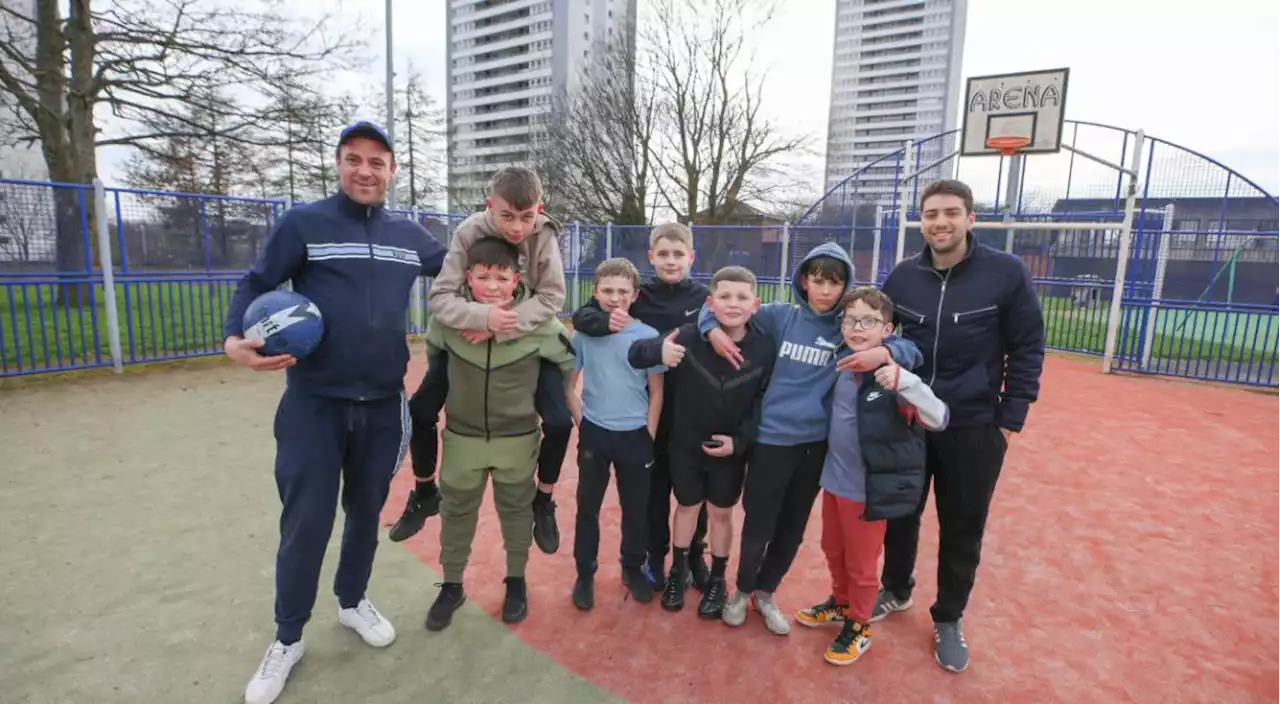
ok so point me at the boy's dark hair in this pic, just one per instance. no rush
(495, 252)
(949, 187)
(826, 269)
(875, 299)
(618, 266)
(518, 185)
(737, 274)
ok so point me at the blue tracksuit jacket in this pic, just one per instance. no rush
(357, 263)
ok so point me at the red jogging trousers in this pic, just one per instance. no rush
(852, 547)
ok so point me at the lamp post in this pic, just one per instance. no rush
(391, 102)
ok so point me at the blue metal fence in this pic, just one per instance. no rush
(1200, 296)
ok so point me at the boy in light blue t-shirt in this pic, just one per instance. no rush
(617, 416)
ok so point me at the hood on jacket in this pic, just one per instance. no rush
(826, 249)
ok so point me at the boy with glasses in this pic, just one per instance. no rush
(874, 470)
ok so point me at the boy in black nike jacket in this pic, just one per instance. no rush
(714, 417)
(666, 302)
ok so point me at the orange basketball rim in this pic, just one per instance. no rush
(1008, 145)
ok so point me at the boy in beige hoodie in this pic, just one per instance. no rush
(514, 212)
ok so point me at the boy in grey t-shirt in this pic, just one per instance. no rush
(617, 416)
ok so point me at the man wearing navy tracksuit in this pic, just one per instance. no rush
(342, 426)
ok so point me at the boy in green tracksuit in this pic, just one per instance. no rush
(491, 429)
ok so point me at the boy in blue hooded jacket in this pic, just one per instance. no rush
(785, 466)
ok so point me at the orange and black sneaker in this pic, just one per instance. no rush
(828, 613)
(853, 641)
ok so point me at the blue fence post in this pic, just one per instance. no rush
(108, 275)
(783, 261)
(575, 255)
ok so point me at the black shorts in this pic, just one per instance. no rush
(697, 477)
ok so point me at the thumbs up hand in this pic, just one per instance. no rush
(672, 353)
(619, 318)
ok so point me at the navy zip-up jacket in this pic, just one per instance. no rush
(711, 397)
(980, 329)
(358, 264)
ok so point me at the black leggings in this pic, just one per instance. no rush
(428, 400)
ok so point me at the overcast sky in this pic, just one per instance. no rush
(1195, 74)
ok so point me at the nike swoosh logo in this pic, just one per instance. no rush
(688, 313)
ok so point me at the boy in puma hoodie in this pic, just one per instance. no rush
(785, 466)
(514, 214)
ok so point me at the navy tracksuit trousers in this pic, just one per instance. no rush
(328, 448)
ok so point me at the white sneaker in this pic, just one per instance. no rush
(269, 680)
(774, 619)
(365, 620)
(735, 611)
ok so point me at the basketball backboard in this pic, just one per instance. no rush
(1031, 104)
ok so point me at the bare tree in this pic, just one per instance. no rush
(420, 132)
(298, 160)
(140, 60)
(420, 145)
(714, 147)
(596, 154)
(26, 222)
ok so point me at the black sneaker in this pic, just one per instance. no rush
(584, 593)
(633, 579)
(713, 598)
(699, 573)
(546, 534)
(516, 604)
(441, 613)
(416, 512)
(673, 592)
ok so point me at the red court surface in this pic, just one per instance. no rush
(1131, 555)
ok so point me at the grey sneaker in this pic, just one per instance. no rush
(887, 603)
(735, 610)
(774, 620)
(949, 647)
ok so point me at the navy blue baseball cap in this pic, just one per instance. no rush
(365, 128)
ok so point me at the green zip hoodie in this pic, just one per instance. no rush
(492, 384)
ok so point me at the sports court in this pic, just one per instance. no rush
(1131, 556)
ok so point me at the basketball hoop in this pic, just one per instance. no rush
(1008, 146)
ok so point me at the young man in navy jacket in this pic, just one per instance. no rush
(666, 301)
(342, 420)
(973, 312)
